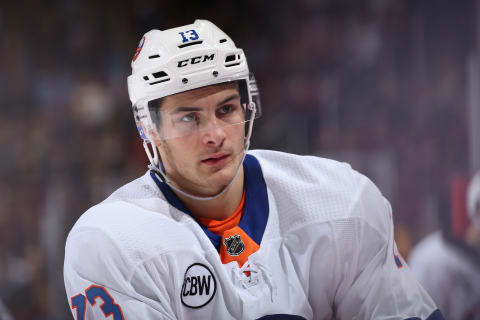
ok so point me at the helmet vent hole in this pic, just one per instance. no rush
(233, 60)
(145, 78)
(223, 40)
(188, 44)
(154, 56)
(159, 81)
(159, 74)
(162, 76)
(233, 64)
(184, 80)
(230, 58)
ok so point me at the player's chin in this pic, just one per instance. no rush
(223, 173)
(220, 178)
(208, 187)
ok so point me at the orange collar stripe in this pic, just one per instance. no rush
(220, 226)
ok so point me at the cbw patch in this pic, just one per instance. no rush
(199, 286)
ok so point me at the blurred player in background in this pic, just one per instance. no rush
(449, 268)
(4, 312)
(214, 231)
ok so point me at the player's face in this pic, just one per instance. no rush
(208, 139)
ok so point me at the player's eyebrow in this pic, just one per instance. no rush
(186, 109)
(234, 96)
(180, 109)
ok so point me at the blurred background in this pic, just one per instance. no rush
(391, 86)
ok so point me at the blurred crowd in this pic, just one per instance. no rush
(381, 84)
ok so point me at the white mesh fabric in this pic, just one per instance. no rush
(309, 188)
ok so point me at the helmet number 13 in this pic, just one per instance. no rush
(189, 35)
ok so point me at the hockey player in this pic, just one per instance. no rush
(448, 266)
(214, 231)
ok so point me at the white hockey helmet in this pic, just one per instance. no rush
(186, 58)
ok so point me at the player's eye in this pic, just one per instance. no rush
(226, 109)
(188, 118)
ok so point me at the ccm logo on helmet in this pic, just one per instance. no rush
(199, 286)
(195, 60)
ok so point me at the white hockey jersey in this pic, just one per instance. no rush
(326, 252)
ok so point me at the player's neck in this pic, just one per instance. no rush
(219, 208)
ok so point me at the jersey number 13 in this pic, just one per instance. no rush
(109, 307)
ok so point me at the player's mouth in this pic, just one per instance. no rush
(216, 159)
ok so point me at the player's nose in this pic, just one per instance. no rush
(214, 133)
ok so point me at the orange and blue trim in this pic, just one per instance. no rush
(255, 213)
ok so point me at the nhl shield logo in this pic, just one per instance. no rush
(234, 245)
